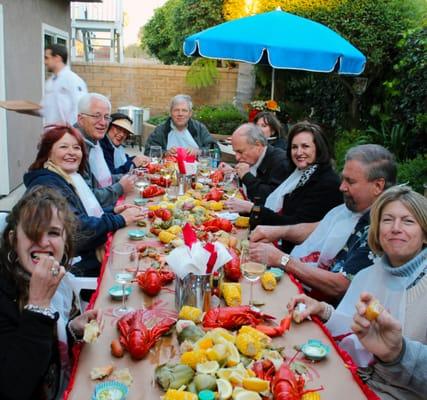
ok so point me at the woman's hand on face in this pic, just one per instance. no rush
(313, 307)
(238, 205)
(78, 323)
(45, 278)
(382, 336)
(132, 215)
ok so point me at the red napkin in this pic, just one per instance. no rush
(189, 234)
(212, 259)
(182, 157)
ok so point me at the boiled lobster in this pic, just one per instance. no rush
(232, 269)
(152, 280)
(152, 191)
(217, 224)
(136, 338)
(233, 317)
(286, 385)
(217, 176)
(161, 181)
(163, 213)
(154, 168)
(278, 330)
(214, 194)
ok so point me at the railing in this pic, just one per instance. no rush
(108, 10)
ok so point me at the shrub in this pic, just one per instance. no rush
(158, 119)
(413, 172)
(222, 119)
(345, 141)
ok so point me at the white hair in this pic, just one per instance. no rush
(85, 102)
(181, 98)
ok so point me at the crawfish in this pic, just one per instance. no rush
(152, 280)
(286, 385)
(136, 338)
(233, 317)
(279, 330)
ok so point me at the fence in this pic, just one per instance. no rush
(147, 85)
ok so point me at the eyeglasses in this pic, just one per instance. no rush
(98, 117)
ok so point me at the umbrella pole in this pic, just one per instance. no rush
(273, 75)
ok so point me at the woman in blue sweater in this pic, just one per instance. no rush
(60, 159)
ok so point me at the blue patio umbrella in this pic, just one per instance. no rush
(280, 39)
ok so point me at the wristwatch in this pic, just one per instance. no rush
(284, 261)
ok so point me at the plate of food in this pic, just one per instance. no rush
(315, 350)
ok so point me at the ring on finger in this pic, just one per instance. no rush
(54, 271)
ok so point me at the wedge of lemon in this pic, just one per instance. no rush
(256, 384)
(225, 390)
(247, 395)
(208, 367)
(233, 357)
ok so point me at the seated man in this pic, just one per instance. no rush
(260, 166)
(337, 249)
(180, 130)
(92, 121)
(112, 145)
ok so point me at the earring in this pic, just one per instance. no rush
(10, 255)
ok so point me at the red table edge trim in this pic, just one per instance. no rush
(77, 348)
(348, 361)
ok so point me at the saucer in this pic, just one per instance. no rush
(315, 350)
(116, 291)
(136, 234)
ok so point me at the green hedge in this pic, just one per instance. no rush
(414, 172)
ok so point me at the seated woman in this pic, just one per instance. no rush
(36, 325)
(398, 280)
(310, 191)
(60, 159)
(271, 128)
(117, 160)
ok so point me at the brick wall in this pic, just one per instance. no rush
(152, 85)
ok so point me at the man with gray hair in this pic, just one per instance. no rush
(180, 130)
(260, 166)
(337, 248)
(94, 116)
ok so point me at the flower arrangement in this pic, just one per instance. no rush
(256, 106)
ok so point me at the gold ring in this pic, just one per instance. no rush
(54, 271)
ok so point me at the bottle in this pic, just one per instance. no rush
(216, 157)
(255, 215)
(207, 296)
(215, 292)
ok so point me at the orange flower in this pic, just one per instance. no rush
(272, 105)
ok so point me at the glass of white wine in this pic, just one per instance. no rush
(252, 270)
(123, 266)
(141, 179)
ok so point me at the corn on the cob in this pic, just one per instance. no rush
(192, 358)
(242, 222)
(232, 293)
(191, 313)
(268, 281)
(248, 345)
(166, 237)
(173, 394)
(311, 396)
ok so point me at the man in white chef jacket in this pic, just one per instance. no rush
(63, 89)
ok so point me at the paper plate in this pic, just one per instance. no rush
(110, 390)
(136, 234)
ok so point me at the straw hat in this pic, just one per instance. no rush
(125, 124)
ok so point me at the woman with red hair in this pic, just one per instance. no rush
(60, 159)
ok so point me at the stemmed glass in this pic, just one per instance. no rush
(123, 262)
(252, 270)
(141, 179)
(156, 154)
(205, 163)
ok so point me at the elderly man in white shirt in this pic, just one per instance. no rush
(63, 89)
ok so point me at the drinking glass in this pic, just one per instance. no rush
(252, 270)
(123, 266)
(141, 179)
(156, 154)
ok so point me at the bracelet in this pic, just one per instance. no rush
(73, 334)
(327, 311)
(46, 311)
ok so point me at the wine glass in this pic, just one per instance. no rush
(156, 154)
(141, 179)
(122, 263)
(252, 270)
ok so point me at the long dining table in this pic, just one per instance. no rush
(335, 373)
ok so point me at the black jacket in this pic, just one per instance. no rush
(307, 203)
(273, 170)
(28, 347)
(108, 150)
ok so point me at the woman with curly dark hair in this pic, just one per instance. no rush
(36, 297)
